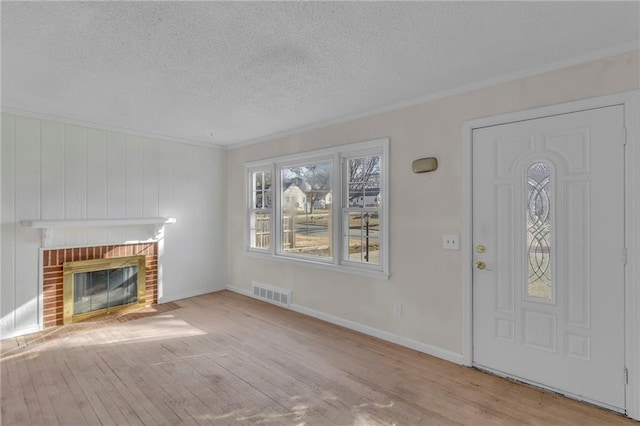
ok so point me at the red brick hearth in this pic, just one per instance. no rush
(53, 277)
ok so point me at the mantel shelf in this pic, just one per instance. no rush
(48, 226)
(87, 223)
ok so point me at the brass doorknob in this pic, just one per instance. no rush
(480, 264)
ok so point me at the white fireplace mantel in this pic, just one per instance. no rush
(48, 226)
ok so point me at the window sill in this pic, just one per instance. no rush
(379, 275)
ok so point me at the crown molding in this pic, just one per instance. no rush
(106, 127)
(565, 63)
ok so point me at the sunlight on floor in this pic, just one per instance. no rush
(160, 328)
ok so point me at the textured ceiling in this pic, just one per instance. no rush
(228, 72)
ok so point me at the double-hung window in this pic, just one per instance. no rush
(326, 207)
(361, 209)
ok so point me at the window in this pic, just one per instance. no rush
(361, 209)
(306, 226)
(292, 215)
(260, 209)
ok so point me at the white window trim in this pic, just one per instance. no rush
(345, 209)
(337, 155)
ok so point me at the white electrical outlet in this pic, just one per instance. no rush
(451, 242)
(397, 309)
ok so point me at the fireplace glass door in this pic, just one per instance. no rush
(101, 286)
(97, 290)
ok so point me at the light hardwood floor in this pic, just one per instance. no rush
(225, 359)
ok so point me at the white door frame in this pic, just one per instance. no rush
(631, 103)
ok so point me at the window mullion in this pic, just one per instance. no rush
(336, 208)
(277, 207)
(272, 210)
(344, 188)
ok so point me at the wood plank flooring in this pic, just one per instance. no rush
(225, 359)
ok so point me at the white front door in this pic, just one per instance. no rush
(548, 241)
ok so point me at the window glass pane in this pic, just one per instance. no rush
(260, 215)
(267, 199)
(260, 230)
(363, 185)
(539, 231)
(262, 189)
(263, 200)
(363, 237)
(306, 222)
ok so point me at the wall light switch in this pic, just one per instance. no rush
(451, 242)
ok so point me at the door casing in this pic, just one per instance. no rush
(631, 103)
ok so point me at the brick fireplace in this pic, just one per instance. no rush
(53, 260)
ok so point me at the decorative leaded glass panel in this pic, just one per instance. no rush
(539, 231)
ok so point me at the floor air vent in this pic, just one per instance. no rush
(269, 293)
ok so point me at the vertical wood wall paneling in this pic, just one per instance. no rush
(149, 164)
(27, 206)
(116, 182)
(178, 236)
(194, 177)
(53, 175)
(75, 181)
(7, 289)
(96, 183)
(203, 186)
(133, 187)
(165, 179)
(53, 170)
(165, 205)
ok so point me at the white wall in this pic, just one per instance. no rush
(52, 170)
(425, 279)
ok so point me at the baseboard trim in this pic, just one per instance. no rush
(187, 294)
(20, 332)
(365, 329)
(241, 291)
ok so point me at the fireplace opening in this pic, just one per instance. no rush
(102, 286)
